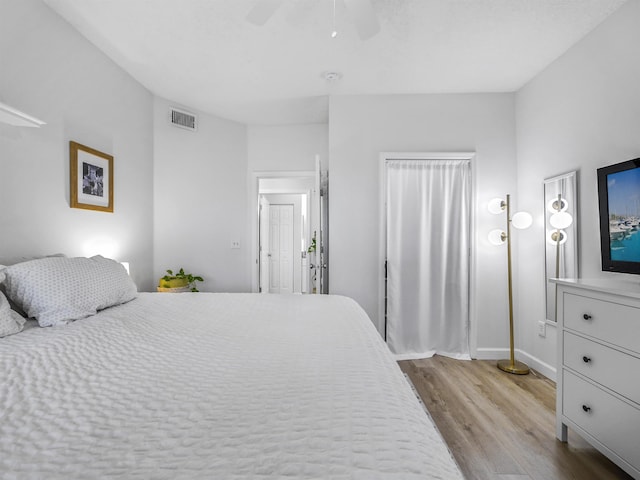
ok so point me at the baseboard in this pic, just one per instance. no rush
(533, 362)
(418, 356)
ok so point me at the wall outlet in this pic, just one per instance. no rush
(235, 244)
(542, 328)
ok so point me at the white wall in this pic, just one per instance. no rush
(360, 128)
(50, 71)
(286, 185)
(200, 200)
(287, 148)
(581, 113)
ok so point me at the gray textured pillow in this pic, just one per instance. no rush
(57, 290)
(3, 290)
(10, 322)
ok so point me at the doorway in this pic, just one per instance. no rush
(311, 246)
(284, 232)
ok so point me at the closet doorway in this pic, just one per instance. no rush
(426, 243)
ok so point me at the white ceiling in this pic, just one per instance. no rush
(203, 54)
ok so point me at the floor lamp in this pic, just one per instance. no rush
(520, 220)
(559, 220)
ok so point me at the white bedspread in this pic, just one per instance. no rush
(213, 386)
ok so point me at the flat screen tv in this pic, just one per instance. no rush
(619, 198)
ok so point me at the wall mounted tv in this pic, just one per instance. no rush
(619, 198)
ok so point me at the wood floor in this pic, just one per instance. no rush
(502, 426)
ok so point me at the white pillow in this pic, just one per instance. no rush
(57, 290)
(23, 259)
(10, 322)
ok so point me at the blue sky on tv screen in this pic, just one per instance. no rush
(624, 192)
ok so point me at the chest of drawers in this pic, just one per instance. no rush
(598, 380)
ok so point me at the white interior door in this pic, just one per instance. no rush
(265, 263)
(281, 248)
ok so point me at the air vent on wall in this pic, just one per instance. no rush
(183, 119)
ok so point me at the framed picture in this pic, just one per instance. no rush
(91, 178)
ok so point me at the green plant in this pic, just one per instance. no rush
(312, 247)
(188, 278)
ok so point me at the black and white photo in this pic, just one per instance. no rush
(91, 178)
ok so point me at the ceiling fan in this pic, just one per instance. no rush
(361, 12)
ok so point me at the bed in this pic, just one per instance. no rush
(208, 386)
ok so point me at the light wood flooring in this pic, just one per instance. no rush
(502, 426)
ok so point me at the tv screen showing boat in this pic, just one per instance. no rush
(619, 198)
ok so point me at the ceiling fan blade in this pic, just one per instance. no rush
(364, 17)
(262, 11)
(300, 13)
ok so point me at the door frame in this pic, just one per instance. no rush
(264, 213)
(384, 156)
(254, 213)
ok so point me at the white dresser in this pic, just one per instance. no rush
(598, 381)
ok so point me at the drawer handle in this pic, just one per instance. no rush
(586, 359)
(586, 409)
(586, 316)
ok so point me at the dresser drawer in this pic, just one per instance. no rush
(613, 422)
(613, 369)
(612, 322)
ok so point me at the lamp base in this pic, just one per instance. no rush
(517, 368)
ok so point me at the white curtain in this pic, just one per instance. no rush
(428, 220)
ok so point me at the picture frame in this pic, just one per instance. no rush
(91, 173)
